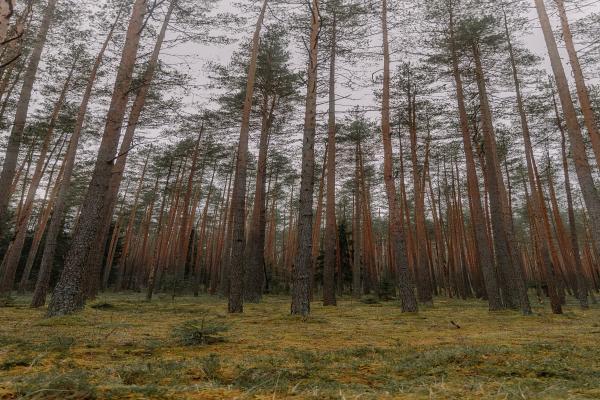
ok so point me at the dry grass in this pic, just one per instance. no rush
(124, 347)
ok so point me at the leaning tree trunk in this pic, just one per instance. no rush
(40, 229)
(537, 197)
(590, 193)
(397, 235)
(301, 267)
(582, 91)
(68, 295)
(582, 286)
(238, 197)
(43, 279)
(16, 134)
(94, 259)
(506, 258)
(13, 256)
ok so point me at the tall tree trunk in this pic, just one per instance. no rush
(302, 264)
(316, 228)
(158, 238)
(94, 258)
(590, 193)
(330, 240)
(424, 290)
(254, 277)
(582, 286)
(42, 224)
(508, 264)
(16, 134)
(14, 254)
(582, 90)
(238, 199)
(68, 295)
(356, 230)
(484, 255)
(184, 232)
(129, 230)
(398, 240)
(43, 279)
(537, 199)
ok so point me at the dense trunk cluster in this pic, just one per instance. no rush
(428, 198)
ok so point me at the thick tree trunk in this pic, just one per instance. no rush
(398, 240)
(95, 257)
(68, 295)
(16, 134)
(43, 280)
(7, 9)
(302, 264)
(238, 199)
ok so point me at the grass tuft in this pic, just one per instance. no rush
(199, 332)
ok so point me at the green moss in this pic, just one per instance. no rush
(140, 350)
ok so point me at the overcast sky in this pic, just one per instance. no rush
(196, 56)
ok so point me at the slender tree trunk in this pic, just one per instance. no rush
(129, 230)
(68, 295)
(14, 254)
(158, 238)
(184, 231)
(582, 286)
(506, 259)
(398, 244)
(16, 134)
(42, 224)
(316, 228)
(330, 241)
(254, 277)
(356, 230)
(484, 255)
(537, 200)
(302, 264)
(238, 199)
(424, 289)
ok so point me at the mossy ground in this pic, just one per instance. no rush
(124, 348)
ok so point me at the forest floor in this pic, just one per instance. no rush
(124, 347)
